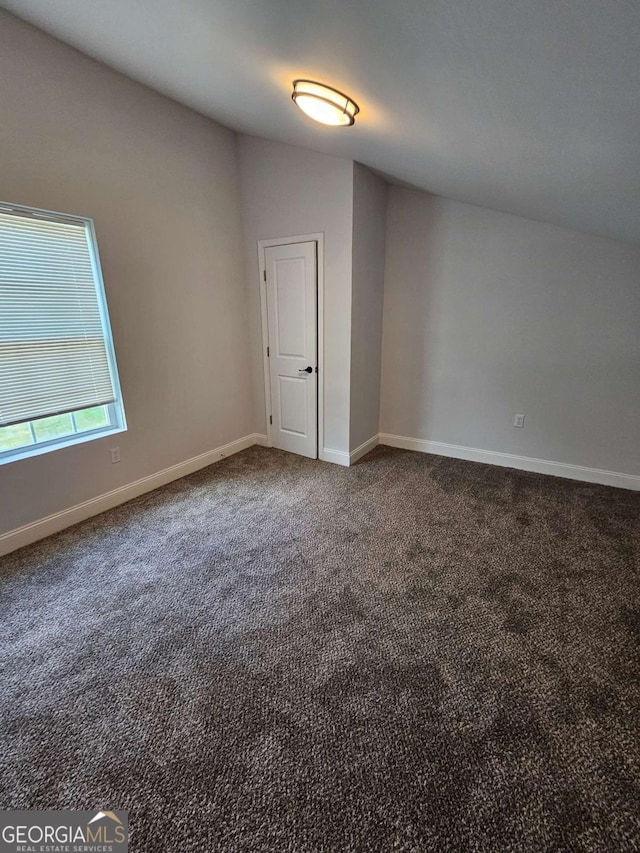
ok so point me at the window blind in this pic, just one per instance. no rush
(53, 352)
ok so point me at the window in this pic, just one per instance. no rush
(58, 377)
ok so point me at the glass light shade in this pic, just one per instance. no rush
(324, 104)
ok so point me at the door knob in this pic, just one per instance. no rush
(305, 370)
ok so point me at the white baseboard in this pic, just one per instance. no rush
(364, 448)
(508, 460)
(338, 457)
(66, 518)
(341, 457)
(326, 454)
(29, 533)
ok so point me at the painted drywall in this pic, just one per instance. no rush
(288, 191)
(161, 184)
(526, 106)
(487, 315)
(369, 227)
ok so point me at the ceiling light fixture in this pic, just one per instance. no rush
(324, 104)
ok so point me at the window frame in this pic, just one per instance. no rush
(115, 409)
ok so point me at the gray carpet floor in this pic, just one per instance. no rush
(275, 654)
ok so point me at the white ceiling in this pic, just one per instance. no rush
(526, 106)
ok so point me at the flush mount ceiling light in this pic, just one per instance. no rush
(324, 104)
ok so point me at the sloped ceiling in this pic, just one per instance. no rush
(527, 106)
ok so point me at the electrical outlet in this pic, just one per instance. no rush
(518, 421)
(115, 454)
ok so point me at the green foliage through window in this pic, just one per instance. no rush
(55, 427)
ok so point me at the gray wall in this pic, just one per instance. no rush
(369, 225)
(289, 191)
(161, 184)
(487, 314)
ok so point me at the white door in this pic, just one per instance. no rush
(292, 324)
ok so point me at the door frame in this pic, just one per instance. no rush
(318, 238)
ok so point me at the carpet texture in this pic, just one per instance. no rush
(275, 654)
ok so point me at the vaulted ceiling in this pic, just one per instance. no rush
(527, 106)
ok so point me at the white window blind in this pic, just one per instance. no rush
(53, 341)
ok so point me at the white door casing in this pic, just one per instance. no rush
(292, 341)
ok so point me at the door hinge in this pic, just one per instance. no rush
(267, 352)
(264, 274)
(271, 419)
